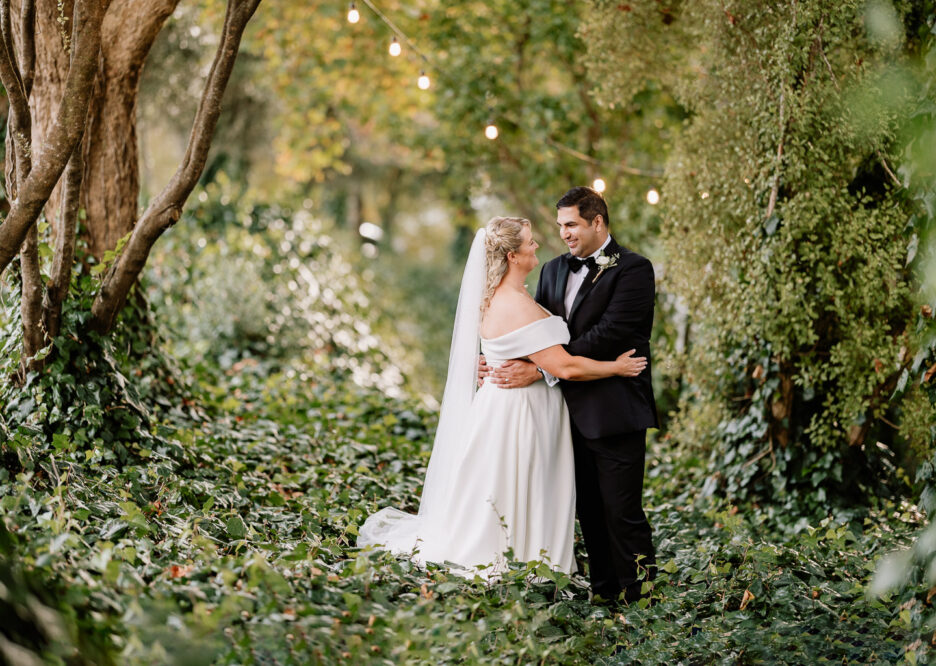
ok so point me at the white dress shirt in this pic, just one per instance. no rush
(575, 280)
(573, 285)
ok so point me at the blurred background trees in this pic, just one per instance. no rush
(320, 116)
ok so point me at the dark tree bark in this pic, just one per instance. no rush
(16, 72)
(65, 227)
(61, 139)
(782, 407)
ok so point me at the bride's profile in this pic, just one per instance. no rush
(500, 476)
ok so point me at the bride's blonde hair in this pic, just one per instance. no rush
(503, 235)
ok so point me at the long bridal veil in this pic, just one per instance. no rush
(461, 382)
(391, 528)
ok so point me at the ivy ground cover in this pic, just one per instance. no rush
(230, 540)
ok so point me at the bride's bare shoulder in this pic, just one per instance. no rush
(509, 311)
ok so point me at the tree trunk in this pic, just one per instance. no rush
(66, 231)
(107, 164)
(50, 157)
(111, 182)
(111, 178)
(781, 409)
(19, 60)
(52, 59)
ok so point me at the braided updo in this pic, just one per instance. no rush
(503, 235)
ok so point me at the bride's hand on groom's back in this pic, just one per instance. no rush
(483, 370)
(630, 365)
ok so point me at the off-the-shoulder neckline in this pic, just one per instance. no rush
(520, 328)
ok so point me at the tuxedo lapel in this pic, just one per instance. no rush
(562, 278)
(610, 250)
(583, 291)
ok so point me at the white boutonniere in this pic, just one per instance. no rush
(604, 262)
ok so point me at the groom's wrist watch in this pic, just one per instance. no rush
(540, 370)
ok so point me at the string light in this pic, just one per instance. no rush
(653, 197)
(371, 231)
(490, 131)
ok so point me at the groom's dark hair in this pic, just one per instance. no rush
(589, 202)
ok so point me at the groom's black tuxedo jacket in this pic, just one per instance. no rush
(609, 316)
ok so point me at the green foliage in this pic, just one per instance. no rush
(729, 595)
(41, 621)
(239, 549)
(786, 234)
(84, 398)
(263, 282)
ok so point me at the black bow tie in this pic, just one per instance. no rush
(575, 263)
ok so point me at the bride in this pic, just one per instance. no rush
(501, 472)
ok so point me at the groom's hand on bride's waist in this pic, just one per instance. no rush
(514, 374)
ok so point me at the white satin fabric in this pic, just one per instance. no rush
(512, 486)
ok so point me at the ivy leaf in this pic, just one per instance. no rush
(771, 224)
(236, 528)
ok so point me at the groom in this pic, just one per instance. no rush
(605, 293)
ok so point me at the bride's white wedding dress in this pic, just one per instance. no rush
(501, 475)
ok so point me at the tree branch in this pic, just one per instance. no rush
(18, 167)
(166, 207)
(66, 229)
(129, 32)
(623, 168)
(775, 188)
(31, 301)
(65, 133)
(894, 179)
(19, 121)
(28, 43)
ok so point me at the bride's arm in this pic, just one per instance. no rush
(558, 362)
(517, 310)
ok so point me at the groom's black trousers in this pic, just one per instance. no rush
(608, 495)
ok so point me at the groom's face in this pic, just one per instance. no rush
(581, 236)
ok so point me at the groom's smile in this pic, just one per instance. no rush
(581, 236)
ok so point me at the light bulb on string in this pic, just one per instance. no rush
(423, 81)
(491, 131)
(599, 185)
(353, 14)
(395, 48)
(653, 197)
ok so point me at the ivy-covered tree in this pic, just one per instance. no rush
(788, 230)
